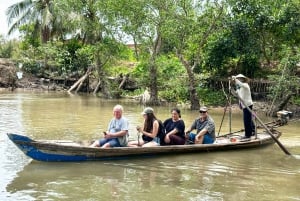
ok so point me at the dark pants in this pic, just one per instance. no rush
(248, 123)
(176, 140)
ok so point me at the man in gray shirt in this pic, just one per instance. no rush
(205, 127)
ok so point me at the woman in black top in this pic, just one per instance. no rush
(174, 129)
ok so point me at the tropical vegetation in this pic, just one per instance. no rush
(177, 45)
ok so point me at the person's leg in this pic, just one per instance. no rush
(136, 143)
(167, 139)
(113, 142)
(103, 141)
(191, 138)
(252, 122)
(208, 139)
(150, 144)
(96, 143)
(199, 139)
(176, 140)
(247, 116)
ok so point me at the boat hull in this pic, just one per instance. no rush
(54, 151)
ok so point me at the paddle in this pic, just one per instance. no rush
(222, 119)
(139, 134)
(267, 129)
(227, 104)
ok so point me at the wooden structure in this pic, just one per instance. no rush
(55, 150)
(259, 88)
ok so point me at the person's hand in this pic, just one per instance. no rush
(233, 92)
(138, 128)
(108, 135)
(197, 139)
(233, 78)
(187, 133)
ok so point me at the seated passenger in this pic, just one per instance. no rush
(117, 132)
(174, 129)
(205, 127)
(149, 130)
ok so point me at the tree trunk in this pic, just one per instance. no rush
(153, 85)
(280, 106)
(195, 105)
(97, 87)
(136, 49)
(123, 82)
(78, 84)
(101, 75)
(153, 72)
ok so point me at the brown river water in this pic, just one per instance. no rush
(255, 174)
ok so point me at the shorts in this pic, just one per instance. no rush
(206, 140)
(156, 140)
(113, 142)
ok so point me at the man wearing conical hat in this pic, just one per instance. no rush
(243, 90)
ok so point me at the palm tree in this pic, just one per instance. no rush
(38, 12)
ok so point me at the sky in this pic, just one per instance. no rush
(4, 4)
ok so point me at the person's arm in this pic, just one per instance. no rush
(178, 129)
(174, 131)
(139, 128)
(154, 130)
(117, 134)
(209, 128)
(192, 127)
(201, 133)
(238, 82)
(122, 132)
(189, 129)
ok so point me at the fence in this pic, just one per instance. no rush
(259, 88)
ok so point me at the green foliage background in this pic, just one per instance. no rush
(258, 38)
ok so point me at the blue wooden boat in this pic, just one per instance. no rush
(61, 150)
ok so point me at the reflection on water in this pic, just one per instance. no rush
(258, 174)
(218, 176)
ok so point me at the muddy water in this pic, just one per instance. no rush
(257, 174)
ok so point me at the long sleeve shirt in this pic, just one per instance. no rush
(243, 90)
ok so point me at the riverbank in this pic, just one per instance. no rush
(12, 78)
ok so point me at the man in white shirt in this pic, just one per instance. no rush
(243, 90)
(117, 132)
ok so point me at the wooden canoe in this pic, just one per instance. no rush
(55, 150)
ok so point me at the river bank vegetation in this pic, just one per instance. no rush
(174, 50)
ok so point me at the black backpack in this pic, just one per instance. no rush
(161, 133)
